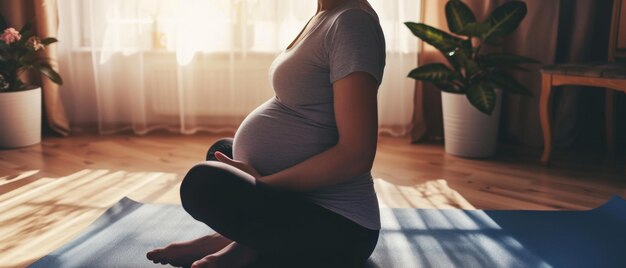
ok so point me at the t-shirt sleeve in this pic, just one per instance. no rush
(356, 43)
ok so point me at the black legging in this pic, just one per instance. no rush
(283, 227)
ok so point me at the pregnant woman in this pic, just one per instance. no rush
(294, 188)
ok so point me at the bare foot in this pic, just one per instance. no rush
(234, 255)
(185, 253)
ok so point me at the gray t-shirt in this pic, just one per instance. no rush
(299, 122)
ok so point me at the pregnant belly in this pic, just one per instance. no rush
(273, 138)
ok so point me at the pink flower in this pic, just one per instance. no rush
(10, 35)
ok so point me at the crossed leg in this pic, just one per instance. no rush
(257, 222)
(184, 254)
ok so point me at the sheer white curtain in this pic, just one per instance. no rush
(200, 65)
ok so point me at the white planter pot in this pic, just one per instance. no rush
(467, 131)
(20, 118)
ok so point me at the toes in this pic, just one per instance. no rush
(156, 256)
(198, 264)
(151, 255)
(206, 262)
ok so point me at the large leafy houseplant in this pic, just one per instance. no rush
(472, 72)
(19, 52)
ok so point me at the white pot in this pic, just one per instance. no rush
(467, 131)
(20, 118)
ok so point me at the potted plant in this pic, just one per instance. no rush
(20, 104)
(473, 82)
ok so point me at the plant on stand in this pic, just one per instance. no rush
(472, 82)
(20, 103)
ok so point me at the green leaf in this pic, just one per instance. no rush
(22, 42)
(458, 15)
(47, 70)
(438, 74)
(456, 59)
(441, 40)
(508, 83)
(462, 62)
(447, 86)
(432, 72)
(482, 97)
(475, 29)
(29, 59)
(49, 40)
(471, 67)
(28, 26)
(505, 19)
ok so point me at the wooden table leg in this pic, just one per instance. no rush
(544, 113)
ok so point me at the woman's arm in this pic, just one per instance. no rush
(356, 115)
(357, 123)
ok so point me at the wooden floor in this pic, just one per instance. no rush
(52, 191)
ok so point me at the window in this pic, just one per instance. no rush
(146, 64)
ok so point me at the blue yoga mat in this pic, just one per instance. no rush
(409, 238)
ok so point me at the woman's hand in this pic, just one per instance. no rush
(237, 164)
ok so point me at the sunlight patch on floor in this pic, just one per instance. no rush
(431, 194)
(44, 214)
(10, 179)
